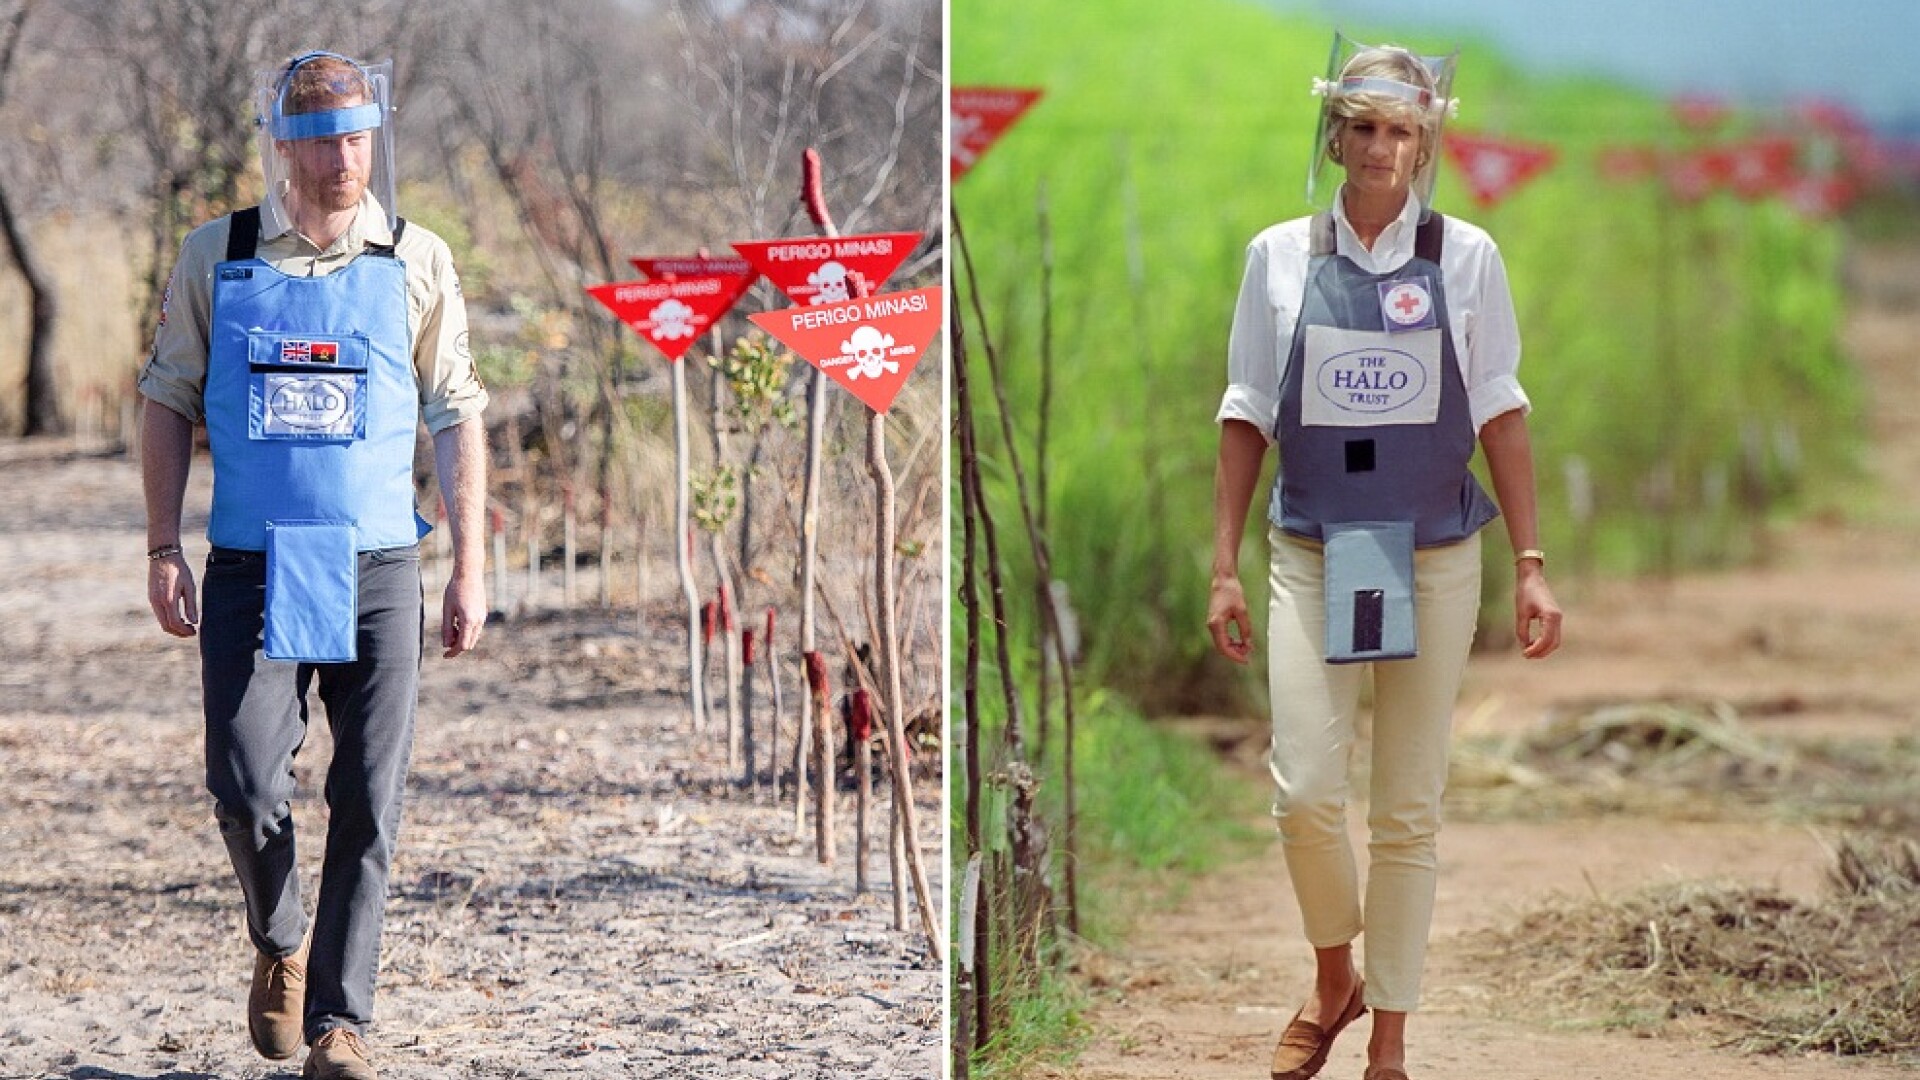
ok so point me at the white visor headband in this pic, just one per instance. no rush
(1419, 96)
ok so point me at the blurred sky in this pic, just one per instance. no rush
(1758, 52)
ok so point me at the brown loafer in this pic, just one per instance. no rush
(1304, 1045)
(276, 1005)
(1384, 1072)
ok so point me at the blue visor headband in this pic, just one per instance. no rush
(316, 125)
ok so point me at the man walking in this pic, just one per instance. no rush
(312, 334)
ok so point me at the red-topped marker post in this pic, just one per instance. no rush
(814, 271)
(840, 325)
(980, 115)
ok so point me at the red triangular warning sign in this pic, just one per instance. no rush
(868, 346)
(815, 270)
(669, 267)
(670, 314)
(1761, 166)
(980, 115)
(739, 273)
(1495, 167)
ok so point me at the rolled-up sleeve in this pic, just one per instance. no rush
(1253, 357)
(1493, 345)
(450, 388)
(175, 374)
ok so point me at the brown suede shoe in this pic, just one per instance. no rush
(1304, 1045)
(277, 1003)
(1384, 1072)
(339, 1054)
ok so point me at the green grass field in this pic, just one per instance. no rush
(1682, 360)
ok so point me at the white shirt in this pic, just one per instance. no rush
(1486, 336)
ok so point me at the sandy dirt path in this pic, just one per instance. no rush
(579, 889)
(1202, 990)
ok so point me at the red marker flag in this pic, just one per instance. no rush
(1819, 196)
(670, 314)
(1700, 112)
(739, 274)
(1624, 164)
(980, 115)
(670, 267)
(1761, 166)
(1829, 117)
(818, 269)
(869, 346)
(1693, 176)
(1495, 167)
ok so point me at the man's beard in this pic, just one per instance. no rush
(322, 193)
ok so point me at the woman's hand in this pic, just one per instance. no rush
(1228, 620)
(1536, 615)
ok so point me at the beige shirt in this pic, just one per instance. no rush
(175, 374)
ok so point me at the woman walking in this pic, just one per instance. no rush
(1374, 345)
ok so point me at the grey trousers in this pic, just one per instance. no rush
(256, 711)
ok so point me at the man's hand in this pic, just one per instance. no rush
(463, 613)
(171, 595)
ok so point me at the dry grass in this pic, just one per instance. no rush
(1684, 760)
(1748, 965)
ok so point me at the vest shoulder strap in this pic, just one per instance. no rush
(388, 251)
(1320, 234)
(243, 233)
(1426, 240)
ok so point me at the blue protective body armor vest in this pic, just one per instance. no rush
(312, 404)
(1343, 455)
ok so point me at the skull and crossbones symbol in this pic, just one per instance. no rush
(830, 284)
(867, 351)
(671, 320)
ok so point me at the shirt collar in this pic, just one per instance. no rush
(369, 226)
(1395, 242)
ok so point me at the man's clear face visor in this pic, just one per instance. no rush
(1430, 107)
(275, 125)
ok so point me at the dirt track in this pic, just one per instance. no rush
(1822, 641)
(579, 890)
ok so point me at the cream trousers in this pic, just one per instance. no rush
(1314, 707)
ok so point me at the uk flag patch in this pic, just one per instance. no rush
(305, 351)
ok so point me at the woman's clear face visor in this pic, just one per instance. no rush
(1376, 91)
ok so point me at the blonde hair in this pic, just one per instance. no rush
(1415, 101)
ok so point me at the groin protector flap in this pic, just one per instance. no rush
(1369, 583)
(313, 591)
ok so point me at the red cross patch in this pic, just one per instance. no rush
(1407, 305)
